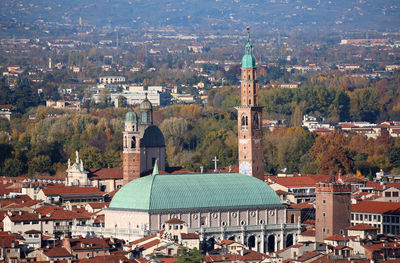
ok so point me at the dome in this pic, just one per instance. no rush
(146, 105)
(195, 191)
(248, 61)
(131, 117)
(152, 137)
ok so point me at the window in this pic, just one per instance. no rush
(323, 201)
(245, 122)
(361, 217)
(323, 214)
(388, 194)
(133, 142)
(395, 194)
(255, 121)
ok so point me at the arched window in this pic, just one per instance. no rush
(143, 117)
(125, 143)
(148, 118)
(255, 121)
(245, 122)
(133, 144)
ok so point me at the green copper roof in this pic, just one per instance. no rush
(248, 60)
(131, 117)
(194, 191)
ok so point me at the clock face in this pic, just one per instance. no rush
(245, 168)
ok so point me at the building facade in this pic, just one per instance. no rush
(332, 211)
(217, 206)
(143, 144)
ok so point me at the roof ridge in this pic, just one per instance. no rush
(151, 189)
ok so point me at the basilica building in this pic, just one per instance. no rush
(216, 206)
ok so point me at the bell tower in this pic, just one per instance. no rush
(250, 136)
(131, 148)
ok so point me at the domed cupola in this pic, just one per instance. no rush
(248, 60)
(131, 121)
(146, 112)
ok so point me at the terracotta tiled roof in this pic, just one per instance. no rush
(142, 239)
(225, 242)
(308, 256)
(308, 233)
(328, 259)
(106, 259)
(376, 207)
(150, 244)
(362, 227)
(105, 173)
(295, 181)
(25, 217)
(336, 238)
(67, 215)
(309, 222)
(189, 236)
(99, 205)
(57, 190)
(248, 255)
(33, 232)
(302, 206)
(175, 221)
(57, 252)
(88, 244)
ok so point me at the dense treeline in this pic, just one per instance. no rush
(193, 135)
(335, 98)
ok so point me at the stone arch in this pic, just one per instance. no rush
(245, 122)
(233, 238)
(271, 243)
(289, 240)
(251, 242)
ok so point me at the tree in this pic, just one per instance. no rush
(91, 157)
(331, 154)
(12, 168)
(189, 255)
(40, 164)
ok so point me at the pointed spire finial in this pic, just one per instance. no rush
(155, 168)
(76, 156)
(248, 34)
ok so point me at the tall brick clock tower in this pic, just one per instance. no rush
(131, 148)
(251, 155)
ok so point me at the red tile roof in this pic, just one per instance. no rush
(142, 239)
(105, 173)
(57, 252)
(99, 205)
(33, 232)
(57, 190)
(295, 181)
(308, 256)
(150, 244)
(302, 206)
(362, 227)
(336, 238)
(106, 259)
(189, 236)
(175, 221)
(88, 244)
(308, 233)
(376, 207)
